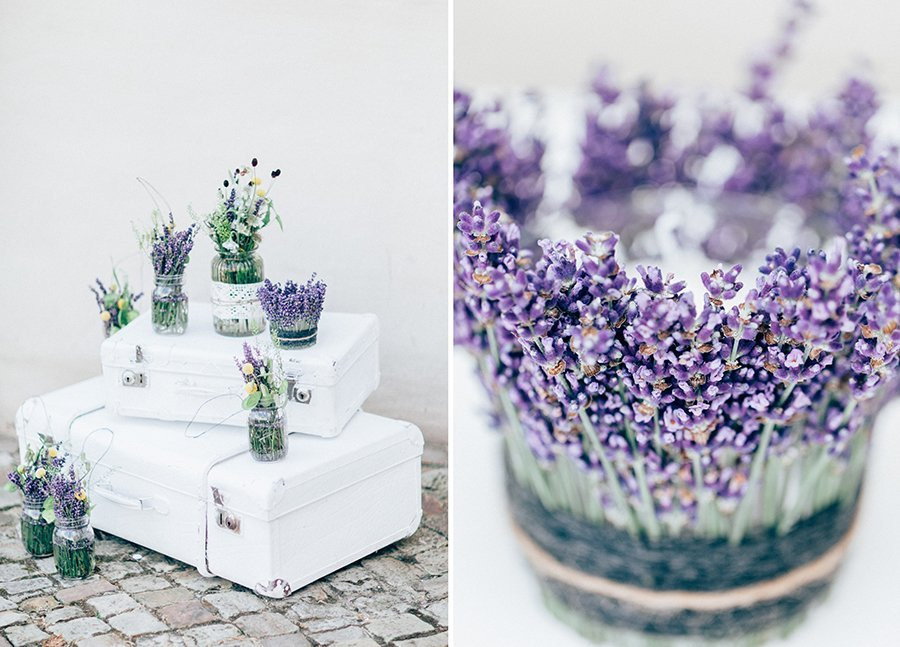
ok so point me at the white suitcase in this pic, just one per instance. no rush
(272, 527)
(193, 378)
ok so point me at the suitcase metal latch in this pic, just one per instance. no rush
(297, 394)
(133, 378)
(228, 521)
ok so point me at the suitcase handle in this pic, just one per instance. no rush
(184, 389)
(127, 501)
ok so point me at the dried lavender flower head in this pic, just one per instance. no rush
(33, 475)
(244, 208)
(293, 304)
(168, 249)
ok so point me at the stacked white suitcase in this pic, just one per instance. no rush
(167, 439)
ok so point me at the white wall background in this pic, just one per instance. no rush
(348, 98)
(555, 45)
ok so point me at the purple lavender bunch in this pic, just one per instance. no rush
(664, 400)
(33, 475)
(630, 142)
(293, 303)
(169, 250)
(489, 164)
(70, 500)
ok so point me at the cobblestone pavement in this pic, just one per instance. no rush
(397, 596)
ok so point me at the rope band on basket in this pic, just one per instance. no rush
(676, 563)
(744, 596)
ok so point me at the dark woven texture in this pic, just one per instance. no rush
(728, 623)
(690, 564)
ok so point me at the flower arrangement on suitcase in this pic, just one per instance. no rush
(244, 209)
(169, 252)
(293, 311)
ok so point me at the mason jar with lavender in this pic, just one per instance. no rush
(169, 252)
(32, 478)
(73, 537)
(265, 385)
(237, 271)
(293, 311)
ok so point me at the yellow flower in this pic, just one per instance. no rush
(81, 495)
(120, 303)
(261, 193)
(113, 287)
(250, 387)
(247, 368)
(20, 469)
(52, 453)
(105, 316)
(257, 180)
(40, 473)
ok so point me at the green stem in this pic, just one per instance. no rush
(612, 477)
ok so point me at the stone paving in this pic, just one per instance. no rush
(397, 596)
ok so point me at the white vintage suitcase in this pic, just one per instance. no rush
(272, 527)
(193, 377)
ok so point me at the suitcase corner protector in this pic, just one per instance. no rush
(277, 588)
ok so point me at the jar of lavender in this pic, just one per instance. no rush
(73, 547)
(170, 305)
(37, 532)
(293, 311)
(268, 441)
(236, 278)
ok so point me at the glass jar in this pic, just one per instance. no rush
(170, 305)
(299, 335)
(268, 441)
(37, 533)
(73, 547)
(236, 278)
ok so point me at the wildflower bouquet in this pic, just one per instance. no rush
(293, 311)
(32, 478)
(169, 252)
(266, 386)
(667, 445)
(116, 304)
(244, 208)
(237, 271)
(73, 538)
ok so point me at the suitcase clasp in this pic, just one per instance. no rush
(133, 378)
(297, 394)
(228, 521)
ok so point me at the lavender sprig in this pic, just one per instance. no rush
(70, 499)
(169, 250)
